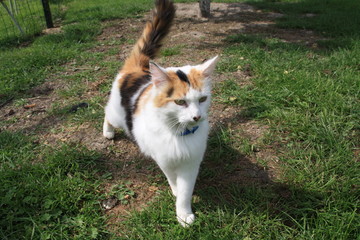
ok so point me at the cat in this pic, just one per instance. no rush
(165, 110)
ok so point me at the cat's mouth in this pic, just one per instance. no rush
(180, 126)
(190, 127)
(192, 124)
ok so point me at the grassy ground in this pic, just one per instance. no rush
(23, 68)
(308, 96)
(51, 198)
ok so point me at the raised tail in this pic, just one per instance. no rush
(150, 41)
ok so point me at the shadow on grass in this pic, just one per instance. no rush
(229, 180)
(337, 18)
(337, 21)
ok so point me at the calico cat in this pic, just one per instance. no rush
(163, 109)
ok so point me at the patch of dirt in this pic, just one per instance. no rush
(198, 39)
(54, 30)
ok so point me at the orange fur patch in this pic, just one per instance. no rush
(196, 79)
(175, 86)
(174, 89)
(138, 61)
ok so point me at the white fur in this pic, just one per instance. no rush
(157, 131)
(114, 112)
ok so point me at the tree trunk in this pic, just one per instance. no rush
(204, 8)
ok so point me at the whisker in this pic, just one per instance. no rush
(174, 125)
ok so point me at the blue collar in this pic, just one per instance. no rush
(187, 131)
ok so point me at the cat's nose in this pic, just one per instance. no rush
(196, 118)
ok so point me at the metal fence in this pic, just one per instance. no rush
(20, 19)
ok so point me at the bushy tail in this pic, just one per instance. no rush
(155, 31)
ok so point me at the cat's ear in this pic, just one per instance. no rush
(208, 67)
(158, 75)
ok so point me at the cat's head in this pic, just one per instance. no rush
(183, 94)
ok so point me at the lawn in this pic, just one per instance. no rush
(282, 159)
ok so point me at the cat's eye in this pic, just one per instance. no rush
(180, 102)
(202, 99)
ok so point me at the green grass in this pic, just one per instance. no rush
(53, 194)
(23, 68)
(47, 194)
(105, 10)
(29, 15)
(308, 96)
(311, 100)
(171, 51)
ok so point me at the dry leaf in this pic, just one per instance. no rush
(232, 99)
(153, 188)
(28, 106)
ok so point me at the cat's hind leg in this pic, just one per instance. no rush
(108, 130)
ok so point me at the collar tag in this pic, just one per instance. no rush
(187, 131)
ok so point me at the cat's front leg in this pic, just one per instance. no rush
(170, 176)
(186, 178)
(108, 130)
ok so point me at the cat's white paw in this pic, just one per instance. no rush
(109, 135)
(186, 219)
(108, 130)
